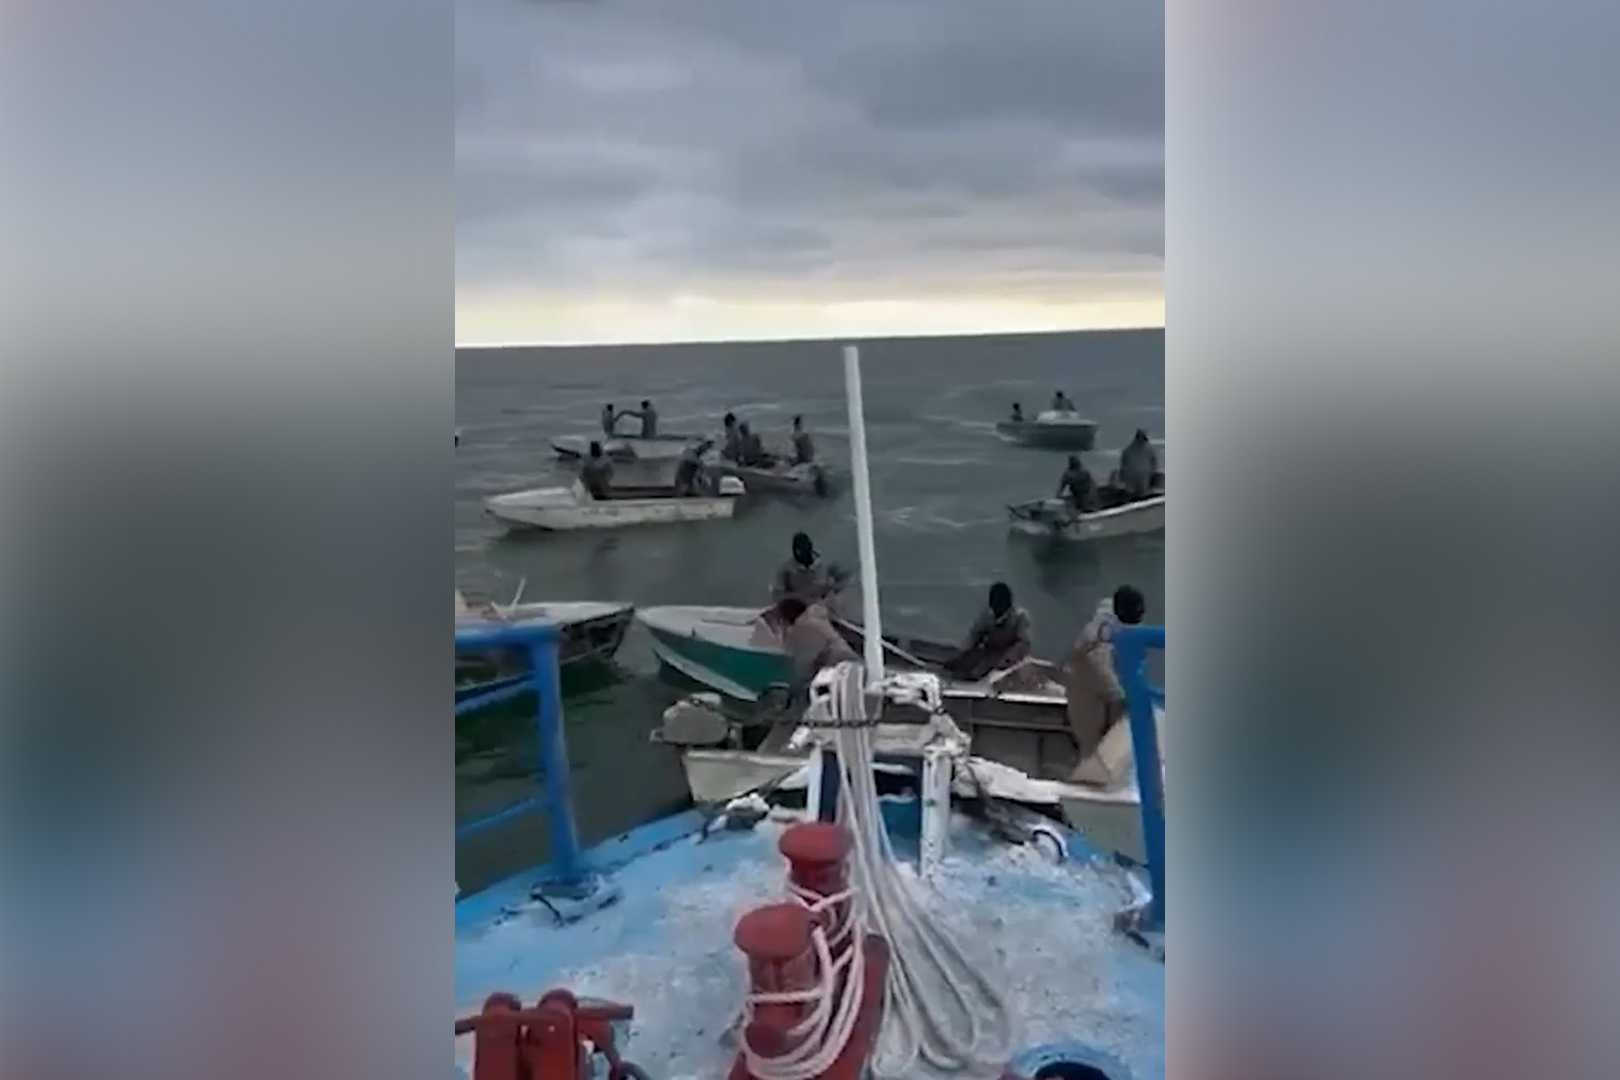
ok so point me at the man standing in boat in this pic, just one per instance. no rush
(804, 576)
(649, 419)
(804, 450)
(1077, 486)
(1017, 413)
(1096, 698)
(1137, 464)
(731, 448)
(597, 473)
(999, 637)
(609, 419)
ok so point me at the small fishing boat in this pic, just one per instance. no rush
(573, 507)
(588, 634)
(1052, 429)
(811, 478)
(625, 447)
(1121, 516)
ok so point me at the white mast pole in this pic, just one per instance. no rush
(872, 621)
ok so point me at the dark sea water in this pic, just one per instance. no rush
(941, 482)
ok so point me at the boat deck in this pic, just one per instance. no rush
(665, 945)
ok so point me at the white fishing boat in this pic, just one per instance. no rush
(1058, 519)
(625, 447)
(573, 507)
(1054, 429)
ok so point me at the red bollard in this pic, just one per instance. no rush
(495, 1039)
(781, 957)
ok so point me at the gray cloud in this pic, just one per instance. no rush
(722, 144)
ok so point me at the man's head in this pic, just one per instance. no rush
(645, 404)
(596, 449)
(731, 420)
(1000, 599)
(608, 407)
(1017, 407)
(1141, 436)
(1074, 461)
(1129, 605)
(743, 427)
(804, 552)
(789, 608)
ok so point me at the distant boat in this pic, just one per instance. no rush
(1056, 518)
(572, 507)
(1053, 429)
(625, 447)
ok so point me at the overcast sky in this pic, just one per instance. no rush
(657, 170)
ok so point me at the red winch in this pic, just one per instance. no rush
(552, 1041)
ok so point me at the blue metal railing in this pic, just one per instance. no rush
(1131, 645)
(539, 641)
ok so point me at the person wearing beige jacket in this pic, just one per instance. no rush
(1096, 698)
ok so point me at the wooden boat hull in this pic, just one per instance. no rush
(1074, 435)
(1142, 516)
(565, 509)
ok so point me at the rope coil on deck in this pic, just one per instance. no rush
(828, 1026)
(940, 1006)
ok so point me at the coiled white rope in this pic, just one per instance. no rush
(940, 1006)
(821, 1035)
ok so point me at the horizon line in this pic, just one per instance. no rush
(835, 338)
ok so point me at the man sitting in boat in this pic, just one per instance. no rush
(1017, 413)
(804, 450)
(1077, 485)
(731, 448)
(596, 473)
(1096, 698)
(810, 642)
(1061, 402)
(689, 475)
(999, 638)
(649, 419)
(751, 449)
(1137, 464)
(804, 576)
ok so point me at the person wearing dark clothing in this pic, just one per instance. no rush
(609, 419)
(731, 449)
(751, 449)
(999, 637)
(649, 419)
(1077, 485)
(1137, 464)
(804, 449)
(1017, 413)
(804, 576)
(597, 473)
(689, 470)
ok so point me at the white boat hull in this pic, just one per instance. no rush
(1143, 516)
(625, 447)
(1109, 820)
(566, 509)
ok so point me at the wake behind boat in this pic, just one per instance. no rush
(573, 507)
